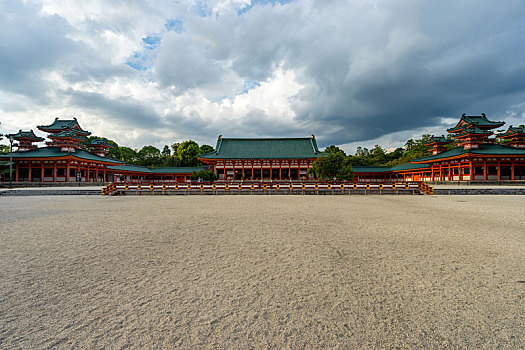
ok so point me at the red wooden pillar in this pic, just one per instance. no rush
(30, 171)
(307, 167)
(485, 170)
(499, 170)
(512, 170)
(261, 169)
(271, 169)
(471, 171)
(16, 172)
(280, 170)
(67, 172)
(252, 170)
(450, 177)
(42, 173)
(289, 170)
(54, 171)
(243, 170)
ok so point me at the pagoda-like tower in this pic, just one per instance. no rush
(99, 146)
(514, 136)
(471, 131)
(437, 144)
(68, 141)
(25, 140)
(66, 134)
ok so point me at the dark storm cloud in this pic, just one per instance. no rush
(373, 69)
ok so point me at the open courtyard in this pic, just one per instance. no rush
(262, 272)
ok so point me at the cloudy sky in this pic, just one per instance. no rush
(351, 72)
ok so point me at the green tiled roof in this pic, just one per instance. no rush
(173, 170)
(64, 124)
(409, 166)
(383, 169)
(438, 139)
(512, 131)
(179, 170)
(471, 130)
(484, 149)
(481, 120)
(96, 142)
(55, 152)
(26, 134)
(134, 168)
(475, 120)
(68, 134)
(269, 148)
(370, 169)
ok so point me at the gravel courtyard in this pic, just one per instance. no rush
(243, 272)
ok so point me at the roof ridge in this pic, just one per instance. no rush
(266, 138)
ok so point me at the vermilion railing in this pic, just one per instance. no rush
(265, 186)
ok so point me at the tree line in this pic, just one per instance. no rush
(336, 164)
(184, 154)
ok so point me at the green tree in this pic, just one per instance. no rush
(188, 152)
(149, 156)
(334, 149)
(165, 155)
(413, 149)
(206, 149)
(4, 149)
(166, 151)
(332, 166)
(205, 175)
(125, 154)
(377, 155)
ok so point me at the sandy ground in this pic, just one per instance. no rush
(262, 272)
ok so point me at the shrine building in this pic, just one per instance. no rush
(69, 157)
(469, 154)
(262, 158)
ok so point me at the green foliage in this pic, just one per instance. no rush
(205, 175)
(206, 149)
(339, 165)
(149, 156)
(166, 152)
(178, 154)
(125, 154)
(188, 153)
(4, 149)
(413, 149)
(332, 166)
(334, 149)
